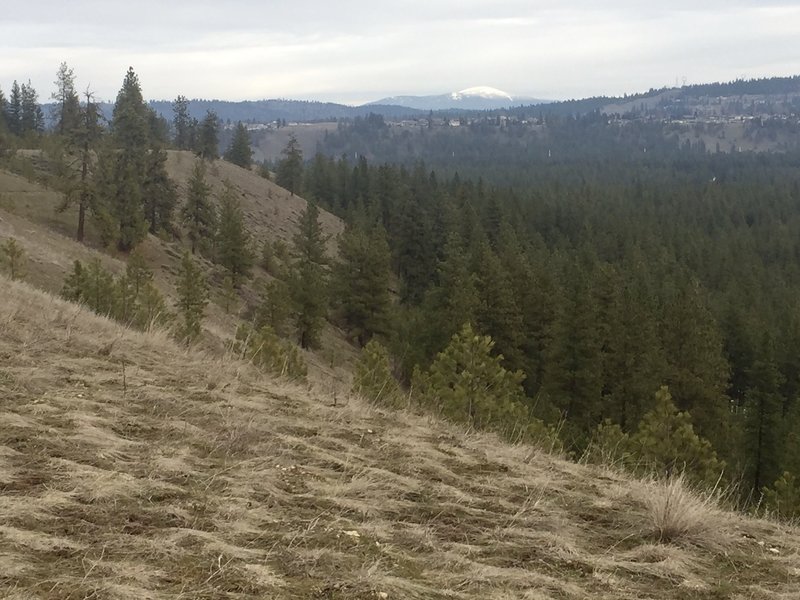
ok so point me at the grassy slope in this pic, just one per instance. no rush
(28, 213)
(132, 468)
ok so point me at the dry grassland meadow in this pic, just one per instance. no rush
(131, 467)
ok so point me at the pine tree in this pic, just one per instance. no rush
(697, 372)
(130, 131)
(92, 286)
(764, 418)
(535, 292)
(412, 242)
(14, 109)
(192, 298)
(138, 272)
(158, 192)
(150, 308)
(75, 283)
(572, 378)
(373, 377)
(31, 117)
(128, 207)
(274, 307)
(182, 123)
(3, 113)
(454, 300)
(468, 383)
(139, 303)
(289, 173)
(198, 213)
(667, 443)
(129, 124)
(361, 282)
(208, 137)
(319, 179)
(239, 151)
(85, 136)
(12, 257)
(66, 107)
(308, 278)
(497, 312)
(98, 191)
(157, 128)
(233, 241)
(633, 358)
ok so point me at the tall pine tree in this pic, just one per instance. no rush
(159, 193)
(361, 282)
(289, 174)
(198, 214)
(192, 298)
(208, 137)
(130, 132)
(308, 278)
(66, 104)
(233, 242)
(182, 124)
(239, 151)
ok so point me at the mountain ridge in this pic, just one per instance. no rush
(472, 98)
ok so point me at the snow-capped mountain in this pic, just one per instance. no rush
(474, 98)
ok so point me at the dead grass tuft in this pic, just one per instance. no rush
(678, 514)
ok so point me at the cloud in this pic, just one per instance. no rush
(359, 50)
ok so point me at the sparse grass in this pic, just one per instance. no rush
(199, 477)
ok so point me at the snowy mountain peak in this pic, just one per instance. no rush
(481, 91)
(474, 98)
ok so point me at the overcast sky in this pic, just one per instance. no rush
(355, 50)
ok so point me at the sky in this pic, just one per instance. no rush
(355, 51)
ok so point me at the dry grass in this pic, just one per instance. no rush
(195, 477)
(678, 514)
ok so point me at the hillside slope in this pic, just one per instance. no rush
(133, 468)
(28, 214)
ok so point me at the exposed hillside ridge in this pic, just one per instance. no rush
(133, 468)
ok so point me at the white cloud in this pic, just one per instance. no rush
(359, 50)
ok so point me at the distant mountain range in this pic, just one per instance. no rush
(676, 100)
(266, 111)
(474, 98)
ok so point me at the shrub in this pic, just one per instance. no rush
(269, 352)
(12, 257)
(783, 499)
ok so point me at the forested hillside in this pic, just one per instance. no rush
(587, 283)
(603, 280)
(512, 151)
